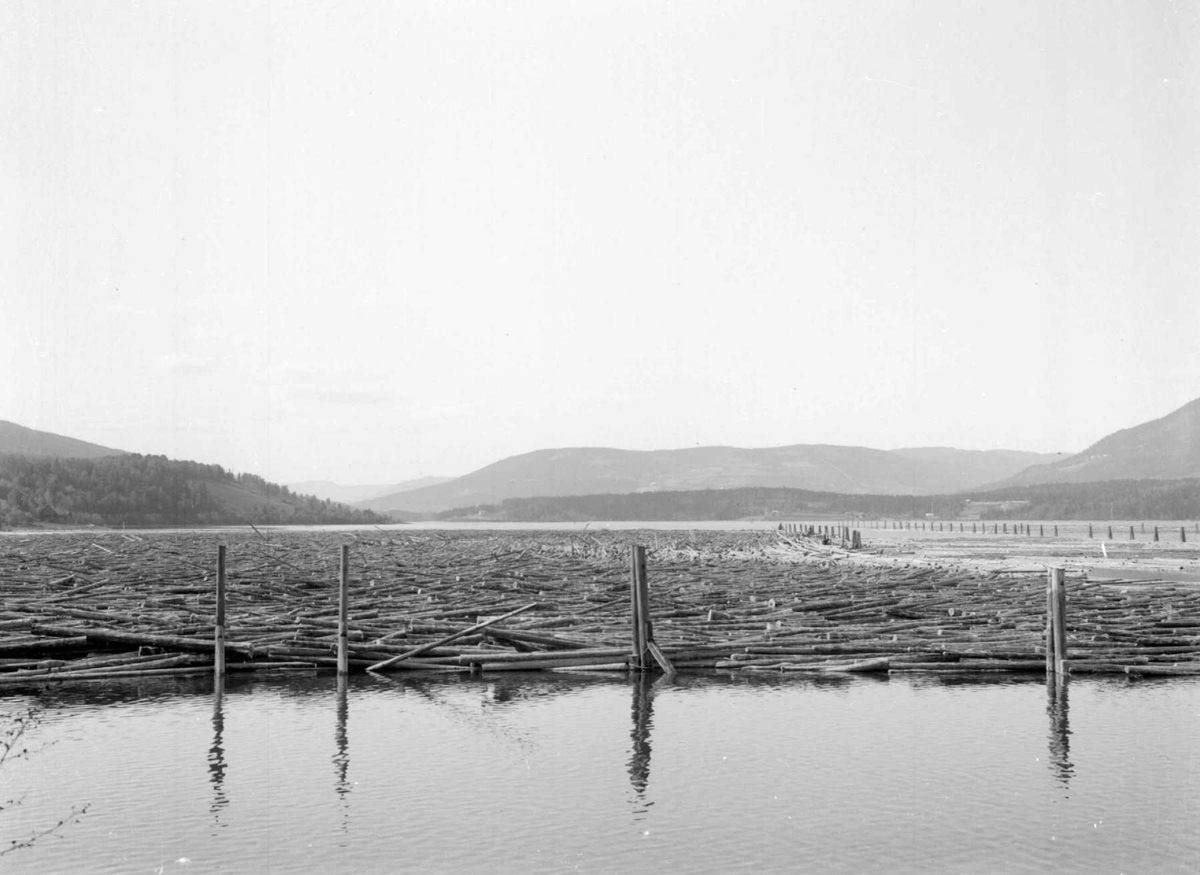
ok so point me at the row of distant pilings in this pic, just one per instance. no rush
(849, 537)
(843, 531)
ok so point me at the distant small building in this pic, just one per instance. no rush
(977, 510)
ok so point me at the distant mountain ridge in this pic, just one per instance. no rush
(1167, 448)
(818, 467)
(31, 442)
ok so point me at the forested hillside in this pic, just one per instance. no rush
(1106, 499)
(711, 504)
(1117, 499)
(134, 489)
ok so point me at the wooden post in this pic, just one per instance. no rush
(644, 608)
(1060, 624)
(640, 608)
(1050, 663)
(1056, 596)
(343, 634)
(219, 632)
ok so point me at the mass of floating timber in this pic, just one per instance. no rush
(111, 605)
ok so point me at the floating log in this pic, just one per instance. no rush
(144, 639)
(661, 658)
(417, 651)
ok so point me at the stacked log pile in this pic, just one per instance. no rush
(113, 605)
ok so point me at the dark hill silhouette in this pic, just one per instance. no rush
(132, 489)
(47, 478)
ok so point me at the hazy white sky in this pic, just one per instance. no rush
(370, 241)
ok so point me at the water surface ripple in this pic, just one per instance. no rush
(606, 773)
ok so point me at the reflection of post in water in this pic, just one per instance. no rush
(1058, 709)
(643, 719)
(341, 759)
(216, 753)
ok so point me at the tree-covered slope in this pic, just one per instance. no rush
(133, 489)
(1118, 499)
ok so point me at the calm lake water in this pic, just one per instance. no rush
(606, 773)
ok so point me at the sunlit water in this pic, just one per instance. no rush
(543, 773)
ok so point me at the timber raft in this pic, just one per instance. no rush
(107, 605)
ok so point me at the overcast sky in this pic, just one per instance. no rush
(371, 241)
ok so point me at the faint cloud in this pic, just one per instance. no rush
(119, 307)
(333, 395)
(185, 365)
(428, 412)
(343, 386)
(628, 397)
